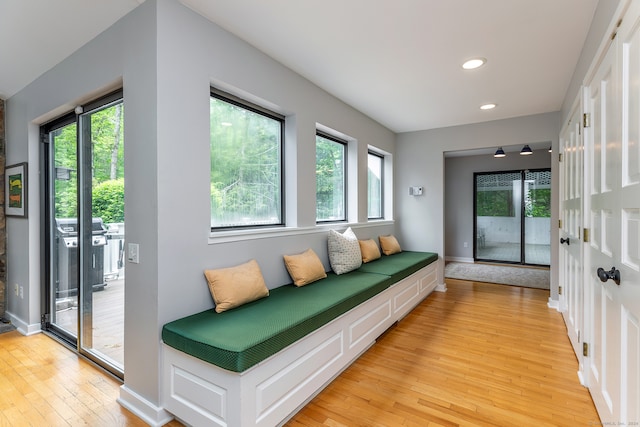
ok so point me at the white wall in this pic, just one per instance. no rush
(458, 195)
(166, 57)
(57, 91)
(421, 220)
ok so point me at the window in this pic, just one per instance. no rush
(330, 178)
(246, 164)
(374, 188)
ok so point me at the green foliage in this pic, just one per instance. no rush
(107, 133)
(107, 149)
(500, 203)
(374, 186)
(66, 196)
(245, 166)
(330, 179)
(538, 203)
(66, 199)
(495, 203)
(108, 201)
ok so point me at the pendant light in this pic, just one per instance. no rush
(526, 150)
(499, 153)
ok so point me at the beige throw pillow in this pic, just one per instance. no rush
(389, 245)
(369, 249)
(233, 286)
(304, 268)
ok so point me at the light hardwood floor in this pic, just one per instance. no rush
(477, 355)
(42, 383)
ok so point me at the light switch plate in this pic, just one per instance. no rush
(133, 253)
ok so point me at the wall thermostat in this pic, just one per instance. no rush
(415, 191)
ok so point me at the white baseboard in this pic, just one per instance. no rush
(442, 287)
(554, 303)
(151, 414)
(459, 259)
(23, 327)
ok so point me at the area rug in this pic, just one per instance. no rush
(505, 275)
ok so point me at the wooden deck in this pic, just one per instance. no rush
(108, 321)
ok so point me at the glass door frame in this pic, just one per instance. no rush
(523, 173)
(47, 197)
(84, 165)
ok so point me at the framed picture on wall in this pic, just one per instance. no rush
(15, 190)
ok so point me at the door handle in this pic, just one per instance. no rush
(613, 274)
(565, 241)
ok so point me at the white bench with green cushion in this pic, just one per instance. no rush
(256, 364)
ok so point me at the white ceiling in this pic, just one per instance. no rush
(398, 61)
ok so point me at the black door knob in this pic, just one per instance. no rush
(613, 274)
(565, 241)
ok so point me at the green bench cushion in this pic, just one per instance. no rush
(399, 265)
(240, 338)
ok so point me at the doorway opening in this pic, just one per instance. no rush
(83, 230)
(512, 211)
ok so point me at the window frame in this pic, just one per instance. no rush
(257, 109)
(345, 175)
(382, 185)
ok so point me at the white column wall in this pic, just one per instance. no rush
(420, 220)
(165, 57)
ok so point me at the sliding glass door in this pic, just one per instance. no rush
(84, 231)
(512, 217)
(537, 217)
(498, 216)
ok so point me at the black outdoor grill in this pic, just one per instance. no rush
(67, 254)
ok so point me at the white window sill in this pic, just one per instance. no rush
(219, 237)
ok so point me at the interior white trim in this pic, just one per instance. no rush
(459, 259)
(270, 232)
(151, 414)
(23, 327)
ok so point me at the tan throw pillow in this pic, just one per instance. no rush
(369, 249)
(304, 268)
(344, 251)
(389, 245)
(233, 286)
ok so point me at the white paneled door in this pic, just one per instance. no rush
(571, 217)
(612, 258)
(629, 212)
(603, 302)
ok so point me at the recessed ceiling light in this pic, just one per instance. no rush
(488, 106)
(474, 63)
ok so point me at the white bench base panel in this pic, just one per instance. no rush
(269, 393)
